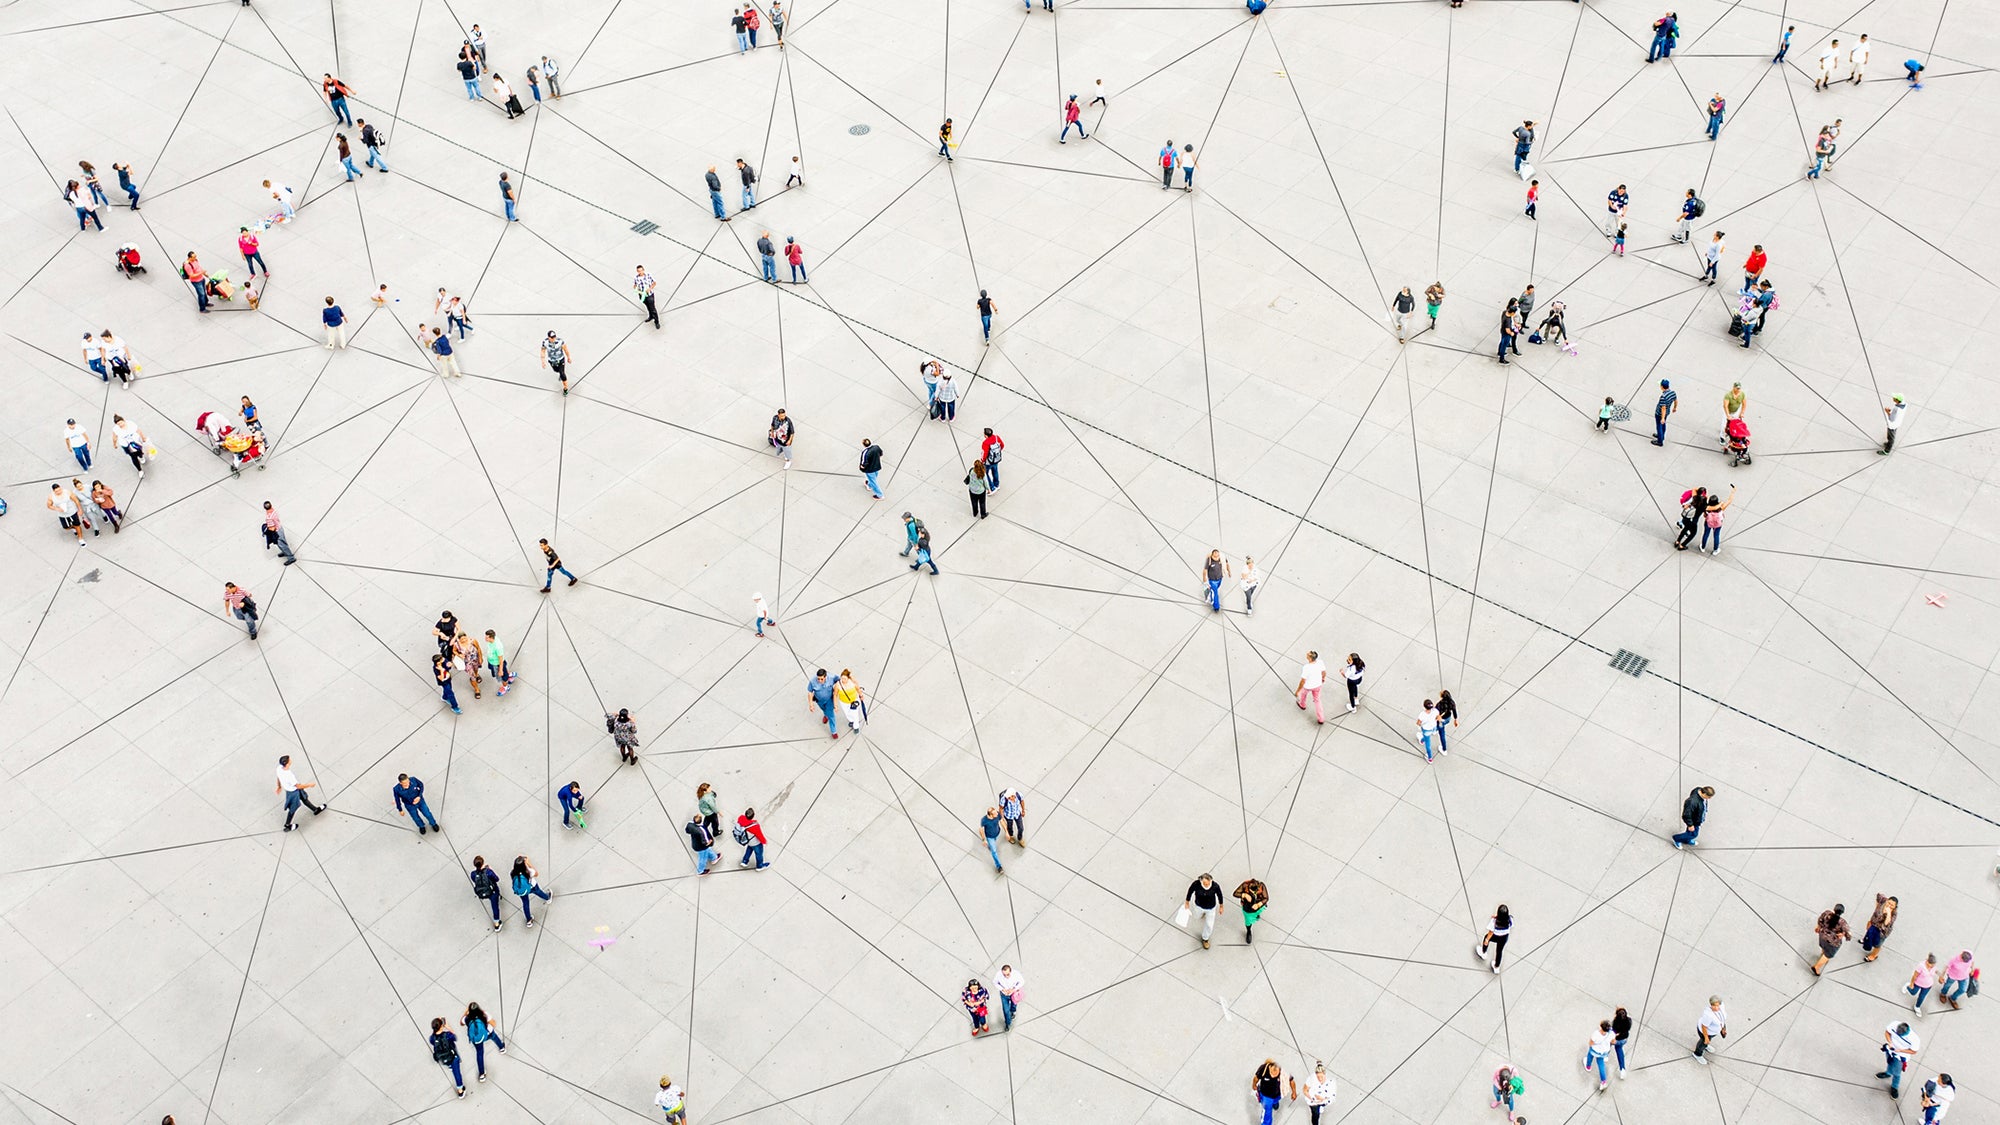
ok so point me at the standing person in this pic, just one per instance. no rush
(1011, 988)
(1447, 715)
(1753, 267)
(763, 612)
(570, 798)
(781, 435)
(478, 45)
(1251, 896)
(778, 23)
(1204, 897)
(987, 307)
(1879, 925)
(1784, 43)
(486, 887)
(1527, 309)
(441, 672)
(248, 245)
(924, 549)
(1693, 503)
(125, 183)
(1828, 59)
(1014, 816)
(465, 656)
(1713, 253)
(1830, 930)
(346, 154)
(990, 446)
(1506, 1087)
(507, 196)
(1320, 1091)
(1694, 813)
(1249, 580)
(1759, 303)
(1269, 1084)
(702, 843)
(293, 791)
(1615, 205)
(1353, 670)
(1072, 115)
(1188, 165)
(796, 255)
(1668, 405)
(1509, 329)
(1401, 306)
(1621, 1031)
(1691, 209)
(1899, 1050)
(871, 468)
(767, 257)
(107, 503)
(468, 70)
(644, 285)
(1618, 241)
(746, 173)
(1713, 1025)
(974, 998)
(526, 884)
(550, 72)
(554, 562)
(479, 1031)
(1524, 140)
(237, 601)
(707, 800)
(555, 357)
(274, 535)
(714, 183)
(989, 830)
(1922, 981)
(1857, 61)
(1427, 726)
(1534, 194)
(336, 325)
(131, 440)
(819, 695)
(1938, 1095)
(78, 441)
(408, 794)
(1822, 149)
(1596, 1050)
(741, 27)
(495, 655)
(1495, 938)
(117, 357)
(673, 1100)
(947, 397)
(440, 345)
(444, 1049)
(912, 527)
(853, 702)
(455, 315)
(1957, 978)
(1894, 414)
(1711, 521)
(624, 730)
(1434, 300)
(1716, 105)
(68, 510)
(975, 487)
(535, 84)
(1213, 570)
(750, 834)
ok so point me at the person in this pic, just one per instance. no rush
(708, 803)
(1713, 1025)
(1938, 1094)
(1013, 816)
(990, 447)
(1534, 194)
(1495, 939)
(86, 207)
(1857, 61)
(819, 694)
(570, 797)
(107, 502)
(1072, 115)
(1711, 520)
(795, 255)
(125, 183)
(1618, 241)
(197, 278)
(924, 549)
(345, 152)
(1353, 670)
(1615, 204)
(744, 172)
(294, 791)
(778, 23)
(465, 655)
(444, 1051)
(1320, 1092)
(1553, 330)
(1911, 67)
(987, 307)
(1510, 329)
(989, 830)
(1251, 896)
(763, 611)
(781, 434)
(1691, 208)
(248, 245)
(795, 177)
(1894, 414)
(372, 140)
(702, 844)
(1663, 38)
(441, 672)
(1822, 149)
(1269, 1083)
(281, 194)
(1506, 1087)
(1400, 306)
(1784, 43)
(1761, 303)
(750, 834)
(1010, 987)
(507, 196)
(1830, 930)
(1249, 580)
(1713, 253)
(1524, 139)
(555, 357)
(468, 71)
(509, 100)
(1213, 571)
(554, 565)
(1753, 268)
(1312, 678)
(1433, 300)
(551, 72)
(1669, 404)
(1204, 897)
(1734, 403)
(1447, 714)
(486, 886)
(479, 1031)
(624, 731)
(336, 325)
(1880, 923)
(238, 602)
(947, 398)
(1716, 105)
(1899, 1050)
(440, 345)
(535, 84)
(714, 183)
(1922, 980)
(1621, 1030)
(1694, 813)
(525, 882)
(742, 28)
(911, 527)
(673, 1100)
(1957, 978)
(1595, 1052)
(1427, 726)
(975, 487)
(974, 998)
(1188, 165)
(408, 793)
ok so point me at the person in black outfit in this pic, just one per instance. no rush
(1447, 715)
(1621, 1026)
(1205, 895)
(486, 885)
(1694, 813)
(1691, 513)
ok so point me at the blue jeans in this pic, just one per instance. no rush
(756, 852)
(339, 105)
(1269, 1104)
(742, 41)
(1006, 1011)
(1426, 736)
(1503, 347)
(1952, 989)
(1618, 1045)
(457, 1075)
(452, 321)
(133, 193)
(347, 162)
(479, 1050)
(1687, 837)
(249, 619)
(450, 697)
(82, 453)
(532, 892)
(1215, 593)
(872, 486)
(1707, 531)
(1894, 1069)
(1520, 156)
(749, 197)
(992, 476)
(1659, 429)
(1920, 995)
(375, 159)
(715, 200)
(798, 273)
(255, 259)
(1593, 1058)
(1079, 130)
(472, 89)
(760, 625)
(97, 365)
(703, 858)
(826, 713)
(770, 267)
(509, 204)
(1819, 162)
(420, 811)
(924, 559)
(568, 809)
(1443, 746)
(97, 194)
(993, 849)
(1714, 126)
(551, 579)
(85, 216)
(985, 327)
(1662, 47)
(200, 294)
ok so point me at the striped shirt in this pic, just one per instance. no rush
(235, 596)
(644, 284)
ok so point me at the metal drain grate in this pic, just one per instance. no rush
(858, 130)
(645, 226)
(1630, 663)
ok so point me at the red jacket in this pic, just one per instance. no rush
(750, 18)
(1754, 264)
(755, 829)
(986, 447)
(794, 253)
(1070, 110)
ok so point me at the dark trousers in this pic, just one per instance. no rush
(652, 311)
(978, 504)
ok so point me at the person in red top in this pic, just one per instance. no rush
(1072, 115)
(751, 834)
(989, 452)
(1753, 268)
(796, 255)
(751, 23)
(197, 277)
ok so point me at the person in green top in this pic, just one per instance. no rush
(1604, 414)
(496, 662)
(975, 485)
(705, 800)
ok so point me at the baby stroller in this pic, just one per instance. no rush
(1736, 442)
(243, 447)
(127, 261)
(214, 425)
(219, 285)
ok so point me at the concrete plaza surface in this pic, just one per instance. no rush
(1171, 372)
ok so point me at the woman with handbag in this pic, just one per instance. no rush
(465, 657)
(975, 486)
(853, 701)
(974, 998)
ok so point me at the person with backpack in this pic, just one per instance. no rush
(485, 886)
(479, 1031)
(750, 836)
(1691, 209)
(444, 1052)
(570, 797)
(702, 843)
(1169, 157)
(1508, 1086)
(989, 452)
(526, 884)
(624, 732)
(912, 529)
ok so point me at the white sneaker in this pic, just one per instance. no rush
(1621, 1074)
(1701, 1060)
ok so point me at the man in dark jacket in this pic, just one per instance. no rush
(486, 885)
(1694, 811)
(409, 795)
(871, 464)
(749, 177)
(715, 193)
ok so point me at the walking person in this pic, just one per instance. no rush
(673, 1100)
(644, 285)
(1899, 1050)
(947, 398)
(444, 1050)
(1694, 813)
(743, 170)
(1668, 405)
(1958, 974)
(86, 207)
(464, 657)
(819, 694)
(1691, 209)
(1711, 521)
(1353, 670)
(93, 357)
(1922, 980)
(1830, 931)
(1713, 253)
(408, 794)
(507, 196)
(1269, 1085)
(1712, 1025)
(989, 830)
(1507, 1086)
(624, 731)
(702, 843)
(239, 603)
(78, 441)
(345, 153)
(1880, 923)
(555, 357)
(336, 325)
(1615, 205)
(1251, 896)
(479, 1031)
(924, 549)
(1433, 300)
(1621, 1031)
(750, 834)
(570, 798)
(68, 509)
(1857, 61)
(486, 887)
(975, 487)
(107, 503)
(1312, 678)
(707, 801)
(1524, 140)
(509, 100)
(1320, 1091)
(1072, 115)
(778, 23)
(1401, 306)
(1938, 1095)
(555, 565)
(987, 307)
(248, 245)
(1447, 715)
(990, 447)
(781, 434)
(794, 254)
(293, 791)
(440, 345)
(1595, 1052)
(1784, 43)
(871, 468)
(912, 526)
(1716, 105)
(1753, 268)
(1204, 897)
(1213, 570)
(1011, 988)
(535, 84)
(274, 535)
(1495, 939)
(1894, 414)
(1188, 165)
(1248, 581)
(1427, 726)
(1822, 149)
(1534, 194)
(763, 611)
(526, 884)
(974, 997)
(441, 672)
(1013, 816)
(767, 257)
(741, 27)
(1828, 59)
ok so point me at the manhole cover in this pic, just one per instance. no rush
(1630, 663)
(858, 130)
(645, 226)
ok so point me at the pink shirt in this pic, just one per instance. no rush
(1926, 975)
(1958, 968)
(247, 243)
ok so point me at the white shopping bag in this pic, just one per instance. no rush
(1527, 171)
(1181, 916)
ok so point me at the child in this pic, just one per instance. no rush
(1534, 192)
(1914, 68)
(795, 178)
(1604, 415)
(381, 297)
(1618, 244)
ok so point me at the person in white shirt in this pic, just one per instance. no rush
(78, 441)
(282, 196)
(117, 357)
(1427, 726)
(1312, 677)
(1713, 1025)
(1319, 1091)
(671, 1099)
(1894, 413)
(93, 356)
(1827, 61)
(1938, 1094)
(1009, 986)
(294, 791)
(68, 510)
(1250, 580)
(1899, 1049)
(1598, 1048)
(1857, 61)
(131, 441)
(763, 613)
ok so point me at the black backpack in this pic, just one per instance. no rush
(1700, 207)
(444, 1049)
(485, 884)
